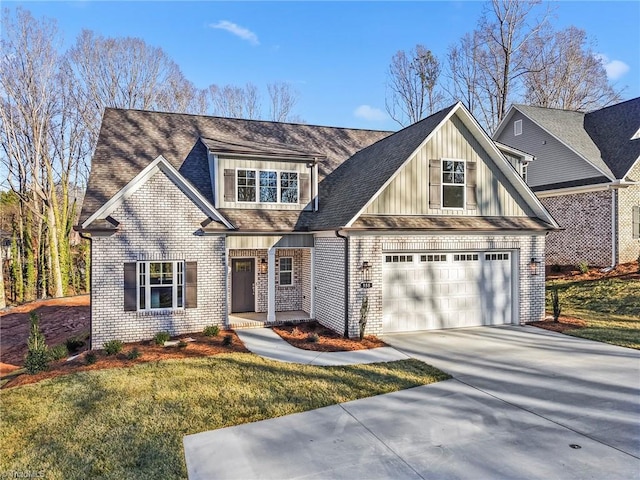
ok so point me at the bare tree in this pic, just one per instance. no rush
(412, 86)
(463, 72)
(235, 102)
(282, 99)
(567, 74)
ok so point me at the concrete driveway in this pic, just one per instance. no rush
(524, 403)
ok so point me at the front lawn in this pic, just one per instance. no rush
(610, 308)
(129, 422)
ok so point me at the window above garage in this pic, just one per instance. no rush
(452, 184)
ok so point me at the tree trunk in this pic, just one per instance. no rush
(54, 254)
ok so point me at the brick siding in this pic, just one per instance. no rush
(329, 273)
(628, 247)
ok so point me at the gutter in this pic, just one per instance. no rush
(346, 282)
(88, 237)
(614, 186)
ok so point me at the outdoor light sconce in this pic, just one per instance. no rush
(534, 266)
(264, 266)
(365, 281)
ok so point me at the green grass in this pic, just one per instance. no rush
(610, 307)
(129, 423)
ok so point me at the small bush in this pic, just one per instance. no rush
(91, 358)
(211, 331)
(74, 344)
(555, 268)
(161, 337)
(182, 344)
(58, 352)
(37, 358)
(133, 354)
(583, 267)
(555, 300)
(113, 347)
(227, 340)
(313, 337)
(295, 331)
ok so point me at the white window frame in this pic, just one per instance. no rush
(281, 271)
(143, 280)
(517, 128)
(462, 185)
(278, 173)
(523, 171)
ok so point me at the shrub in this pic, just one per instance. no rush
(211, 331)
(161, 337)
(555, 268)
(227, 340)
(113, 347)
(295, 331)
(313, 337)
(58, 352)
(37, 358)
(91, 358)
(583, 267)
(182, 344)
(74, 344)
(133, 353)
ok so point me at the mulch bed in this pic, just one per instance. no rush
(629, 270)
(328, 340)
(564, 323)
(149, 352)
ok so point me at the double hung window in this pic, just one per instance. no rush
(267, 186)
(160, 285)
(453, 183)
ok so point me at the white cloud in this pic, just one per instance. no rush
(369, 113)
(614, 68)
(237, 30)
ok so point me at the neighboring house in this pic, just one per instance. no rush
(201, 220)
(586, 172)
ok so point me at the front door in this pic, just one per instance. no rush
(243, 285)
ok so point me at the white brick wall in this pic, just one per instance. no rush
(329, 283)
(158, 222)
(629, 197)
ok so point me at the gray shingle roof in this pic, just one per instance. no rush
(131, 139)
(602, 137)
(453, 223)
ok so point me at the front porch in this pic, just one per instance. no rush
(259, 319)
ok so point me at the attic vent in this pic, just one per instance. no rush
(517, 128)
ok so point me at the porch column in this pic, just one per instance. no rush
(312, 293)
(271, 285)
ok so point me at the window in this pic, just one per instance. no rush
(517, 128)
(246, 185)
(267, 186)
(289, 187)
(496, 256)
(399, 259)
(453, 184)
(286, 271)
(160, 285)
(465, 257)
(523, 170)
(433, 258)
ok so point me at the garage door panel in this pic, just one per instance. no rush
(473, 290)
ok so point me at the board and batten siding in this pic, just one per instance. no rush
(554, 161)
(408, 193)
(257, 164)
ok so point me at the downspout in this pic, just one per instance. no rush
(88, 237)
(614, 196)
(346, 282)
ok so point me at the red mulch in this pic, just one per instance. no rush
(629, 270)
(149, 352)
(328, 340)
(564, 323)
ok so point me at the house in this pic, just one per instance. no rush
(199, 220)
(586, 172)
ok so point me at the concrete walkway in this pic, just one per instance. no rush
(267, 343)
(523, 404)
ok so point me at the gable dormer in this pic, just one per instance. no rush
(262, 176)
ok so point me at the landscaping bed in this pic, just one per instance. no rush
(313, 336)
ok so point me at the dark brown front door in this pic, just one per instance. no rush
(242, 285)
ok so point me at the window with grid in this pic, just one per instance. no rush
(453, 183)
(246, 185)
(286, 271)
(289, 187)
(160, 285)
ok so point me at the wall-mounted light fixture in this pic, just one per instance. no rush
(264, 266)
(365, 275)
(534, 266)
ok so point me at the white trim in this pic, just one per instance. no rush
(462, 185)
(147, 285)
(278, 186)
(316, 195)
(598, 187)
(524, 156)
(631, 168)
(271, 285)
(517, 128)
(159, 164)
(312, 292)
(455, 108)
(213, 174)
(280, 271)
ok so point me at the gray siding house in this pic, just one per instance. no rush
(586, 171)
(199, 220)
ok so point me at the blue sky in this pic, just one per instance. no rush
(335, 54)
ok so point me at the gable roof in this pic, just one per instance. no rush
(130, 140)
(603, 138)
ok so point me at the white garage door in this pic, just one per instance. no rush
(432, 290)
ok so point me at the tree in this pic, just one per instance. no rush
(412, 83)
(282, 99)
(235, 102)
(37, 357)
(567, 74)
